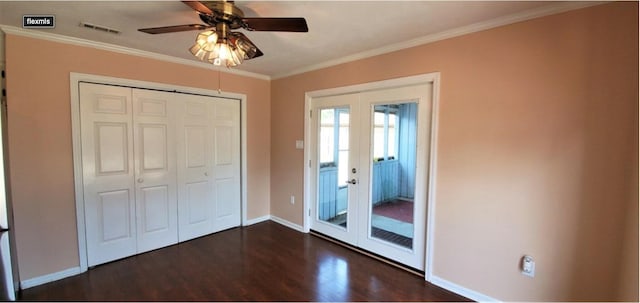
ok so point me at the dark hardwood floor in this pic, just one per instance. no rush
(263, 262)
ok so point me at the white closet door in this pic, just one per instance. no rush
(155, 169)
(195, 160)
(226, 165)
(108, 173)
(158, 168)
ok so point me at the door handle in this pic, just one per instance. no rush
(140, 180)
(353, 181)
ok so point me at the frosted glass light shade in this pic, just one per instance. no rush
(218, 50)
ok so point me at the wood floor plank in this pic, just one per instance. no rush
(262, 262)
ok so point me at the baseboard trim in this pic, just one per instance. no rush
(257, 220)
(287, 223)
(28, 283)
(461, 290)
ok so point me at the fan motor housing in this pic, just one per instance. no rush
(224, 12)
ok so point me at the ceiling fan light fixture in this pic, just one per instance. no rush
(246, 47)
(222, 51)
(221, 54)
(204, 42)
(237, 56)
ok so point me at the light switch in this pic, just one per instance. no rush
(299, 144)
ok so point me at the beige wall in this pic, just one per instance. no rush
(536, 136)
(40, 148)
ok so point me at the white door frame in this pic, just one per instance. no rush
(76, 78)
(434, 79)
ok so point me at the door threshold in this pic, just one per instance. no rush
(370, 254)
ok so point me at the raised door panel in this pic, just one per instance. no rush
(107, 160)
(153, 148)
(154, 204)
(225, 193)
(195, 147)
(226, 168)
(194, 160)
(197, 204)
(111, 146)
(113, 211)
(155, 169)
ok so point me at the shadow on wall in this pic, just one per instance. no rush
(610, 137)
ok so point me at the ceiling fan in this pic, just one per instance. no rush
(219, 44)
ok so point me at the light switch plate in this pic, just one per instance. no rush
(299, 144)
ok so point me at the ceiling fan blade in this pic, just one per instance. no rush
(173, 29)
(198, 6)
(276, 24)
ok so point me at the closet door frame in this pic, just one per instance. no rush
(76, 79)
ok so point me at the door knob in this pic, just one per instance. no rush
(206, 174)
(353, 181)
(140, 180)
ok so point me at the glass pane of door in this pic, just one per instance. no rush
(393, 174)
(333, 172)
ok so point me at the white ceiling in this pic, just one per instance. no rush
(337, 29)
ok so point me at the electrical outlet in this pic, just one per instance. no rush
(293, 199)
(528, 266)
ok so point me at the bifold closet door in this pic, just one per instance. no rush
(195, 173)
(155, 168)
(226, 163)
(129, 171)
(158, 168)
(208, 136)
(108, 172)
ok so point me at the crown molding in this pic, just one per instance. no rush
(12, 30)
(460, 31)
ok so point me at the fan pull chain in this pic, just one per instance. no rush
(219, 87)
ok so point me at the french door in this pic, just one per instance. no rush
(369, 170)
(335, 169)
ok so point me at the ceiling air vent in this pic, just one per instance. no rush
(100, 28)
